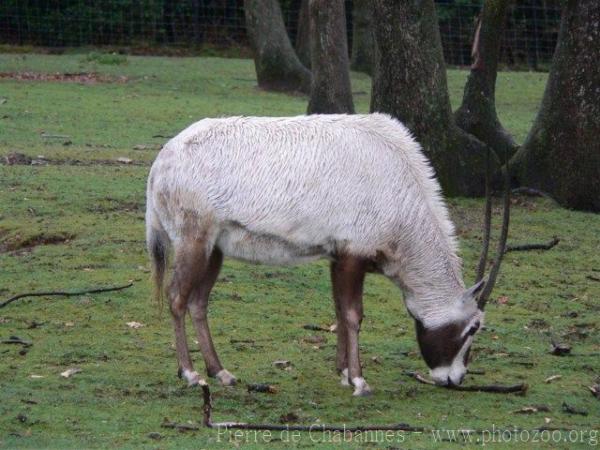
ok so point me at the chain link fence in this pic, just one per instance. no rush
(529, 40)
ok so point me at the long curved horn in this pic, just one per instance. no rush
(487, 221)
(489, 286)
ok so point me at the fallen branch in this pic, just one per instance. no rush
(525, 247)
(262, 387)
(493, 388)
(525, 363)
(207, 420)
(16, 340)
(592, 277)
(65, 293)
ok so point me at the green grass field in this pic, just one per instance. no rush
(78, 222)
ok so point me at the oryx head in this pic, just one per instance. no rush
(445, 347)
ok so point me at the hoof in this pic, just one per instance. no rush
(361, 388)
(192, 377)
(226, 378)
(344, 381)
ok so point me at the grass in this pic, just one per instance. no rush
(76, 225)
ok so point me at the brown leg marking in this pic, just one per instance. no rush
(198, 305)
(190, 259)
(348, 275)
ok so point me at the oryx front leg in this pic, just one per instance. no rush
(341, 359)
(198, 305)
(348, 274)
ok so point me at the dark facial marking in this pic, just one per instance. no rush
(474, 328)
(466, 356)
(440, 346)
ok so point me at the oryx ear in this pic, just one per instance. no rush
(474, 290)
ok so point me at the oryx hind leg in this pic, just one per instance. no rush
(198, 306)
(190, 259)
(348, 274)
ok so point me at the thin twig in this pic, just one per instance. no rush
(55, 136)
(65, 293)
(180, 426)
(524, 247)
(493, 388)
(242, 341)
(313, 327)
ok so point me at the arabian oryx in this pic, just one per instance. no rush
(355, 189)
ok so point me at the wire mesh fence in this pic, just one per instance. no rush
(529, 39)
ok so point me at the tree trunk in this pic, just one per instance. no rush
(331, 92)
(363, 45)
(303, 35)
(196, 21)
(561, 154)
(477, 114)
(277, 65)
(410, 84)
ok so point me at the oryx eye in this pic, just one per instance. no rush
(474, 328)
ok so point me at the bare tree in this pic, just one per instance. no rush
(363, 46)
(331, 91)
(477, 114)
(561, 154)
(410, 83)
(277, 65)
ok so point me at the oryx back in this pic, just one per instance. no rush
(285, 190)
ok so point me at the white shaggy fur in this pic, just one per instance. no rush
(287, 190)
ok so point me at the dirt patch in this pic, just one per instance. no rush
(79, 77)
(19, 245)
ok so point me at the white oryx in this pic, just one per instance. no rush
(355, 189)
